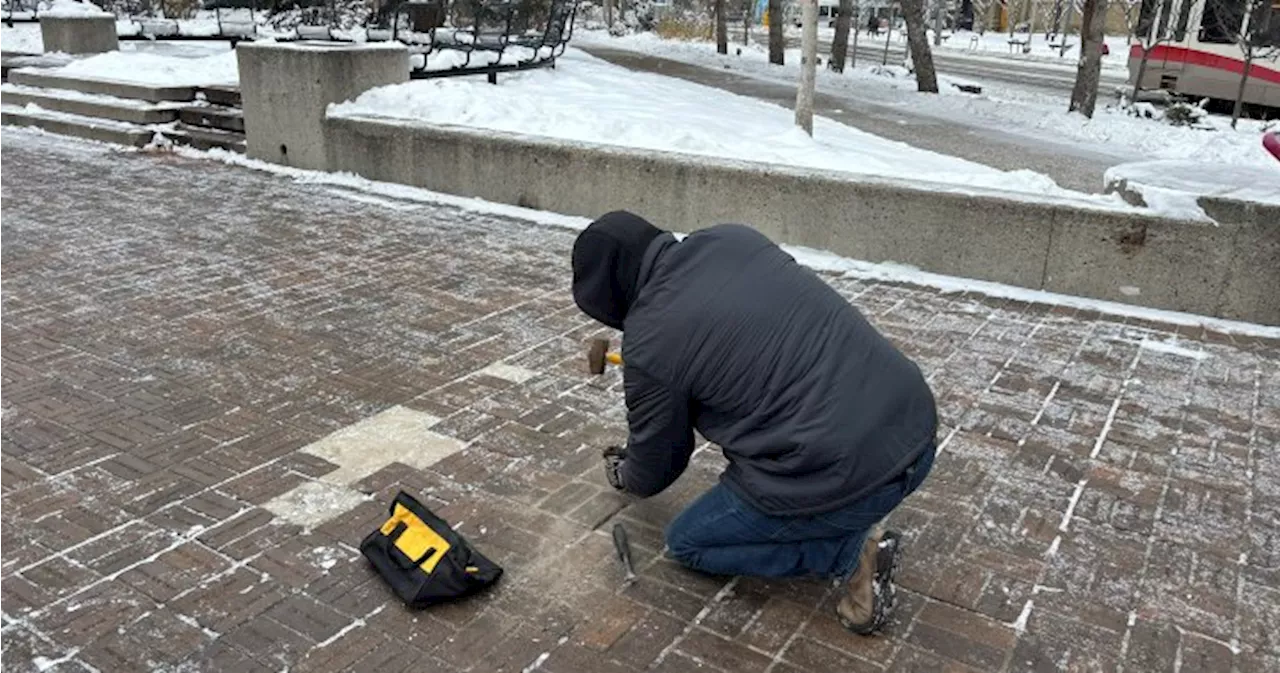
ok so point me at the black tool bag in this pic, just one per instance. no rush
(423, 559)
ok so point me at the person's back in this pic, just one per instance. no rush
(812, 406)
(826, 425)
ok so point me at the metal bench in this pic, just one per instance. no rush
(484, 37)
(231, 24)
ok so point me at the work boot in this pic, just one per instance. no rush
(869, 595)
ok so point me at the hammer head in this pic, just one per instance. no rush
(596, 353)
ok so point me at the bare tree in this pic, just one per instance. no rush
(808, 65)
(608, 13)
(1093, 22)
(918, 43)
(747, 10)
(777, 43)
(840, 43)
(1129, 7)
(722, 28)
(1254, 27)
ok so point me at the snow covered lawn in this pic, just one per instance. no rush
(1035, 116)
(588, 100)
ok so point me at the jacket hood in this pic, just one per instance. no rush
(606, 265)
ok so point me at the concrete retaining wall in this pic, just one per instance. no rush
(79, 34)
(1229, 271)
(286, 87)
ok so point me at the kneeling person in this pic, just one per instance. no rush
(825, 424)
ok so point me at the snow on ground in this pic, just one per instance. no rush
(63, 9)
(1032, 115)
(156, 70)
(1170, 185)
(588, 100)
(22, 38)
(995, 45)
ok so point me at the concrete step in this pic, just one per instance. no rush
(106, 87)
(11, 60)
(90, 128)
(206, 138)
(89, 105)
(213, 116)
(221, 95)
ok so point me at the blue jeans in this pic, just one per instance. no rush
(722, 534)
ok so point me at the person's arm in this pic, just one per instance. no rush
(661, 436)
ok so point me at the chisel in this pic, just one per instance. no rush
(623, 546)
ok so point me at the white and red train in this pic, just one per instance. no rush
(1201, 57)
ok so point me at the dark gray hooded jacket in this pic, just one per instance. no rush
(724, 332)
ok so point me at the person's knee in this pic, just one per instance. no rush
(680, 547)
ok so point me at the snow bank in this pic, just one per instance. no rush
(71, 9)
(155, 70)
(1167, 185)
(588, 100)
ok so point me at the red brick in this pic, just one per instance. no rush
(615, 619)
(811, 655)
(643, 643)
(967, 637)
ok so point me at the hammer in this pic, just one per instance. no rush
(598, 354)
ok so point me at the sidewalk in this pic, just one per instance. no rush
(1070, 167)
(179, 334)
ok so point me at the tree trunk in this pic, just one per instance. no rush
(1244, 80)
(918, 42)
(840, 44)
(888, 35)
(722, 29)
(777, 45)
(937, 23)
(608, 13)
(1066, 29)
(1142, 72)
(1084, 97)
(853, 58)
(748, 7)
(808, 65)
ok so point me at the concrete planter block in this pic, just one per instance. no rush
(79, 34)
(286, 88)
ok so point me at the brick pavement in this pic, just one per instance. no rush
(176, 332)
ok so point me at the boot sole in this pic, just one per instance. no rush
(888, 559)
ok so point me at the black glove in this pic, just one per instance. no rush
(613, 459)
